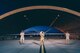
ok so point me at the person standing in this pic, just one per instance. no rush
(67, 37)
(22, 37)
(42, 34)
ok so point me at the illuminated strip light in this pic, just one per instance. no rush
(55, 34)
(38, 34)
(39, 7)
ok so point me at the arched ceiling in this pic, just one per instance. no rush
(39, 7)
(25, 19)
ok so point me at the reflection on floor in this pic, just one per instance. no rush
(33, 46)
(42, 49)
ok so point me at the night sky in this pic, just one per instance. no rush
(26, 19)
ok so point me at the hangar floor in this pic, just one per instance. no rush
(32, 46)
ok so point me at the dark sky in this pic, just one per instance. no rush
(17, 22)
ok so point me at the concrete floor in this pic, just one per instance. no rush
(32, 46)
